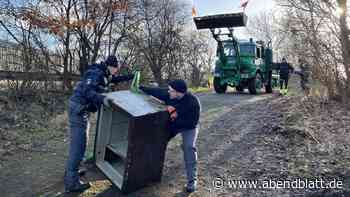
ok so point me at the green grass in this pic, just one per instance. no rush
(199, 89)
(38, 130)
(287, 92)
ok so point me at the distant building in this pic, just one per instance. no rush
(12, 59)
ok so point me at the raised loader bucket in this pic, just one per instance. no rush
(221, 21)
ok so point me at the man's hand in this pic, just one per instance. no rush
(172, 112)
(141, 87)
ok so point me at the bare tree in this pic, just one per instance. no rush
(14, 22)
(260, 26)
(344, 38)
(162, 22)
(199, 56)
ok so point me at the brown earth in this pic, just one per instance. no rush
(242, 137)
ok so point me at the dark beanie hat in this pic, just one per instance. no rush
(112, 61)
(179, 85)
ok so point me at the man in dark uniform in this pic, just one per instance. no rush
(184, 109)
(284, 70)
(87, 98)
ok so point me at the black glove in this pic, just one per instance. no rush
(108, 102)
(142, 88)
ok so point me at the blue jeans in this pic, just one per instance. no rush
(189, 138)
(78, 125)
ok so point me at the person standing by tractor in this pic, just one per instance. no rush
(305, 74)
(87, 98)
(184, 109)
(284, 70)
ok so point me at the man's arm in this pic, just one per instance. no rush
(118, 79)
(89, 90)
(159, 93)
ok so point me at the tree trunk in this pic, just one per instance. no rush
(157, 73)
(84, 56)
(66, 80)
(195, 76)
(345, 42)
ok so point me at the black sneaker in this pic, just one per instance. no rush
(79, 188)
(191, 186)
(82, 171)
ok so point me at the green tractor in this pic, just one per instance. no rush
(240, 63)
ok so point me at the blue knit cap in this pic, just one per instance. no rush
(179, 85)
(112, 61)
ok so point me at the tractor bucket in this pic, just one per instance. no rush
(221, 21)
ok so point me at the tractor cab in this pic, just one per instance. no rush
(227, 51)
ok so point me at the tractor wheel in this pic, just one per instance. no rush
(255, 84)
(239, 88)
(268, 86)
(218, 87)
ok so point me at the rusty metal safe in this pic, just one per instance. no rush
(131, 140)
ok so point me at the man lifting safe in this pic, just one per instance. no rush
(184, 109)
(87, 98)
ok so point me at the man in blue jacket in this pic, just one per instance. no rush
(87, 98)
(184, 109)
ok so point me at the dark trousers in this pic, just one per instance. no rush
(284, 80)
(78, 126)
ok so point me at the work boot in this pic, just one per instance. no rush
(83, 167)
(82, 171)
(191, 186)
(80, 187)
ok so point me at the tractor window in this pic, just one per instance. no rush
(258, 52)
(247, 49)
(263, 52)
(229, 50)
(218, 49)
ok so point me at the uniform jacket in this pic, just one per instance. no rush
(94, 82)
(284, 69)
